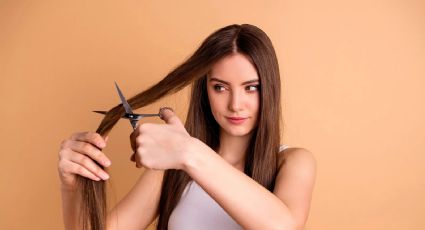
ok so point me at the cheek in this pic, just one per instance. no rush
(216, 106)
(215, 100)
(255, 104)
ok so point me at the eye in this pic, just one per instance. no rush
(256, 87)
(217, 87)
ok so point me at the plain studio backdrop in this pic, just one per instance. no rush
(353, 79)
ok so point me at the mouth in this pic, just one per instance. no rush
(236, 120)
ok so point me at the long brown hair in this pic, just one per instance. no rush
(261, 155)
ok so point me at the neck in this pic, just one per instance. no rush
(232, 149)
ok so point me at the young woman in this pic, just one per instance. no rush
(225, 168)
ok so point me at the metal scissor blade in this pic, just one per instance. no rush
(123, 100)
(134, 123)
(101, 112)
(135, 116)
(149, 115)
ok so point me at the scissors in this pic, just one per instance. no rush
(133, 117)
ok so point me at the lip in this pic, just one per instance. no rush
(236, 120)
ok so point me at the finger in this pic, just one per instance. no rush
(74, 168)
(89, 150)
(88, 164)
(90, 137)
(133, 140)
(138, 160)
(133, 137)
(167, 114)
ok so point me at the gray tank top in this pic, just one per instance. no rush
(197, 210)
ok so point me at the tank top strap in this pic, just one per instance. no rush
(283, 147)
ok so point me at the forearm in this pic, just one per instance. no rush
(245, 200)
(71, 200)
(138, 208)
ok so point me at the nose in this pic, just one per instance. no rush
(236, 100)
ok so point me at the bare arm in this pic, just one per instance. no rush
(137, 210)
(70, 208)
(139, 207)
(295, 183)
(246, 201)
(76, 156)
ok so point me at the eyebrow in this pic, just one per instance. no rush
(227, 83)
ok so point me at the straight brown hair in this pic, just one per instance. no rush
(261, 161)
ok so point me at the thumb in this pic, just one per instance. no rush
(167, 114)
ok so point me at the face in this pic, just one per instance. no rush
(234, 92)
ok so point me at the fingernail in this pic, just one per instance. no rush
(104, 176)
(162, 108)
(107, 163)
(169, 108)
(102, 144)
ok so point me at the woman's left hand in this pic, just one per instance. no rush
(161, 146)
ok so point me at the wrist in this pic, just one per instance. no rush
(67, 189)
(194, 155)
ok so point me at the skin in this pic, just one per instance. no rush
(158, 147)
(234, 99)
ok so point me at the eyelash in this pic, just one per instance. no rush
(257, 87)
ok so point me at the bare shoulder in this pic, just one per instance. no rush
(300, 155)
(295, 182)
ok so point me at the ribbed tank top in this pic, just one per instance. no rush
(197, 210)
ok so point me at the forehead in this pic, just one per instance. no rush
(234, 68)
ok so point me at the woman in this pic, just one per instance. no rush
(223, 169)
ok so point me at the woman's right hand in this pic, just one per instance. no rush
(78, 154)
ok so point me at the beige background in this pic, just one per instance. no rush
(353, 77)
